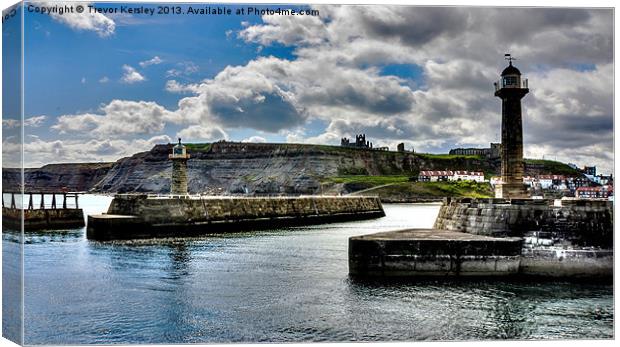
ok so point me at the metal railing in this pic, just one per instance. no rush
(523, 83)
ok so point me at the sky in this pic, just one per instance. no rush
(99, 87)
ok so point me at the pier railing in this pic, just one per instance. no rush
(41, 201)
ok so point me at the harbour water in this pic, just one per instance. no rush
(276, 285)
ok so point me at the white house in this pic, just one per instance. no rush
(448, 175)
(476, 176)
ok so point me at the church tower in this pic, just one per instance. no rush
(179, 156)
(511, 88)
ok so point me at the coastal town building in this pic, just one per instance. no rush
(589, 170)
(493, 152)
(449, 175)
(600, 192)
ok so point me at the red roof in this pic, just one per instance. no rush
(595, 189)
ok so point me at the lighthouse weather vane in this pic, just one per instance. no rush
(510, 58)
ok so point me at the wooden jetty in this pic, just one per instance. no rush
(48, 213)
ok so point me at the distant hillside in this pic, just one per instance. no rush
(253, 168)
(56, 177)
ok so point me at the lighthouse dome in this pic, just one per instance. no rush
(511, 70)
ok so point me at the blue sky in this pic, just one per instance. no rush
(100, 87)
(66, 68)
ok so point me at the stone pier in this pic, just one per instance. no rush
(496, 237)
(432, 252)
(577, 222)
(133, 216)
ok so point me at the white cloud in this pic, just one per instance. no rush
(10, 123)
(173, 86)
(39, 152)
(286, 30)
(567, 52)
(104, 79)
(86, 20)
(202, 134)
(154, 61)
(255, 139)
(337, 78)
(131, 76)
(83, 80)
(185, 68)
(120, 118)
(34, 122)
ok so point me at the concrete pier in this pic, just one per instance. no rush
(432, 252)
(142, 216)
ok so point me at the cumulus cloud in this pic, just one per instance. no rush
(97, 22)
(286, 30)
(244, 96)
(154, 61)
(173, 86)
(202, 134)
(255, 139)
(339, 77)
(567, 54)
(104, 79)
(35, 121)
(40, 152)
(119, 118)
(185, 68)
(131, 76)
(9, 123)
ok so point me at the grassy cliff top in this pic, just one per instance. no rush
(446, 161)
(553, 167)
(412, 190)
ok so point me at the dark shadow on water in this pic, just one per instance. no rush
(44, 236)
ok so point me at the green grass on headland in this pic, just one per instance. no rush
(436, 189)
(553, 167)
(198, 147)
(431, 156)
(416, 190)
(368, 180)
(399, 186)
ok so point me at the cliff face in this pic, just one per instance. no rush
(227, 167)
(56, 177)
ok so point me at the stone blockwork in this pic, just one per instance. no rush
(178, 184)
(577, 222)
(180, 216)
(428, 252)
(66, 218)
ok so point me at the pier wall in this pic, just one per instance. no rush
(431, 252)
(41, 219)
(576, 222)
(153, 216)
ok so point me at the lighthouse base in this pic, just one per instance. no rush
(511, 191)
